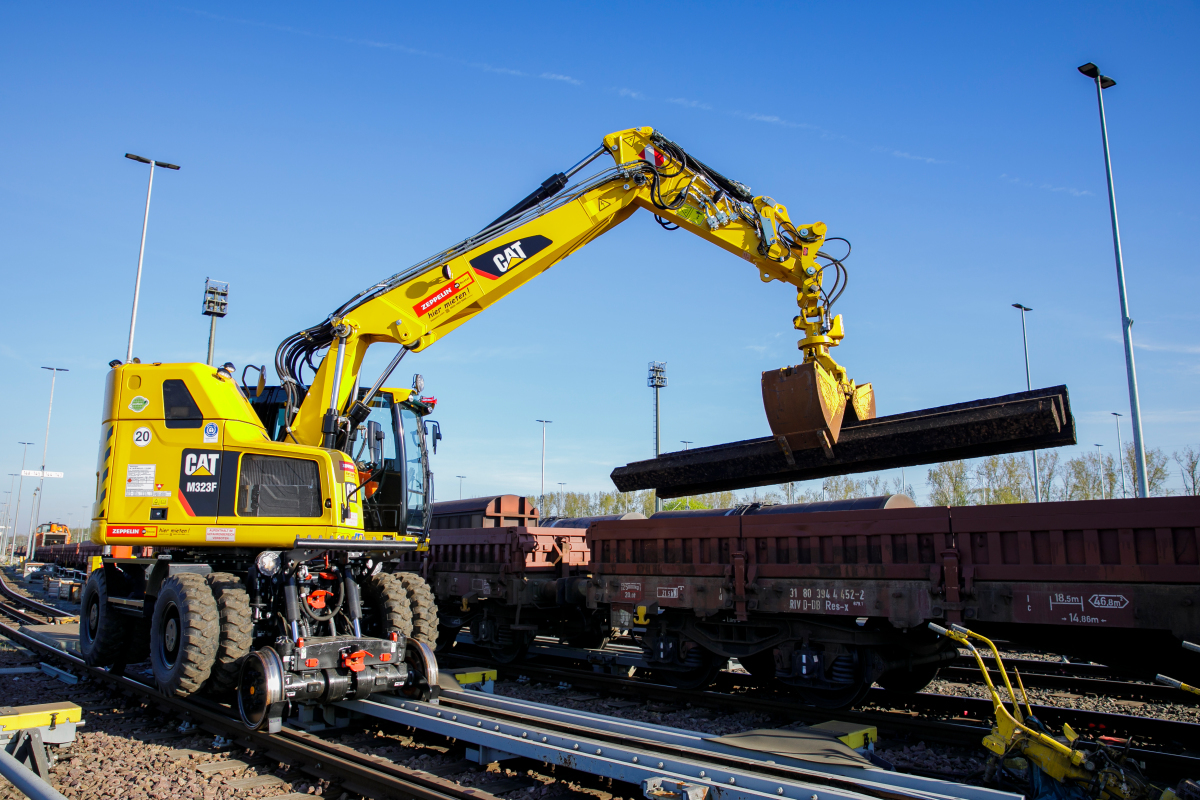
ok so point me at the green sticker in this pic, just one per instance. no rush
(138, 404)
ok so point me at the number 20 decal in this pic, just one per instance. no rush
(142, 437)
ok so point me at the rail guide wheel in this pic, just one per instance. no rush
(260, 693)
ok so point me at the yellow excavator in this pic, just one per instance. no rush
(255, 536)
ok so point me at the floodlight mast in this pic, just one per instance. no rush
(1135, 407)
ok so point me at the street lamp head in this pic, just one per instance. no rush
(143, 160)
(1023, 308)
(1092, 71)
(1116, 413)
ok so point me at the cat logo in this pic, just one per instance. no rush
(199, 465)
(496, 262)
(200, 481)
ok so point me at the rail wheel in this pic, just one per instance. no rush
(761, 665)
(422, 683)
(698, 671)
(512, 650)
(103, 632)
(909, 681)
(236, 630)
(184, 634)
(422, 606)
(388, 607)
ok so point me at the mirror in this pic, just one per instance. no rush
(375, 437)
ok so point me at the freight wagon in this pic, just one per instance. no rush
(829, 598)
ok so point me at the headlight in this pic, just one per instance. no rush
(268, 562)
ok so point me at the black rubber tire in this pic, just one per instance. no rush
(237, 630)
(103, 632)
(184, 634)
(388, 606)
(423, 606)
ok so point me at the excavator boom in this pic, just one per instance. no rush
(805, 404)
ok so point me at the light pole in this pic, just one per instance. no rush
(461, 478)
(1037, 481)
(1135, 407)
(562, 499)
(542, 496)
(137, 284)
(45, 446)
(1120, 452)
(1100, 470)
(216, 304)
(656, 380)
(12, 546)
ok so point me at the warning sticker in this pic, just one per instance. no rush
(220, 534)
(694, 216)
(139, 482)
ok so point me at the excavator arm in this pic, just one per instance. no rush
(417, 307)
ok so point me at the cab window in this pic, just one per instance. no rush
(179, 409)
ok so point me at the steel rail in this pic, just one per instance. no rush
(30, 603)
(964, 729)
(1150, 692)
(370, 774)
(20, 615)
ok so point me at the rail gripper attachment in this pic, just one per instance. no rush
(670, 789)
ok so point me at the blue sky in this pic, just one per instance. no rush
(324, 147)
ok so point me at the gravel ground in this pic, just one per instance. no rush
(705, 720)
(1089, 702)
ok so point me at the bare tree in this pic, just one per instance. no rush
(1189, 463)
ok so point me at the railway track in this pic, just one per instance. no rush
(359, 773)
(942, 718)
(48, 612)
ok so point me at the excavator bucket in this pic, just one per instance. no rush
(805, 407)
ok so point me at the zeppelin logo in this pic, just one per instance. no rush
(499, 260)
(442, 295)
(138, 531)
(1108, 601)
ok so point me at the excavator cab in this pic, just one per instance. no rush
(390, 451)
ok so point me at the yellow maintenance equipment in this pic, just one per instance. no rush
(289, 514)
(1099, 770)
(182, 446)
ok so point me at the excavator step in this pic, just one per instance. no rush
(1011, 423)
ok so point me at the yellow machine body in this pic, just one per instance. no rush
(173, 475)
(157, 478)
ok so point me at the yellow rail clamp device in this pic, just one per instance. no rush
(56, 721)
(853, 736)
(480, 678)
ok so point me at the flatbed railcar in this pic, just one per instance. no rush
(828, 599)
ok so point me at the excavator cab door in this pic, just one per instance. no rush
(393, 438)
